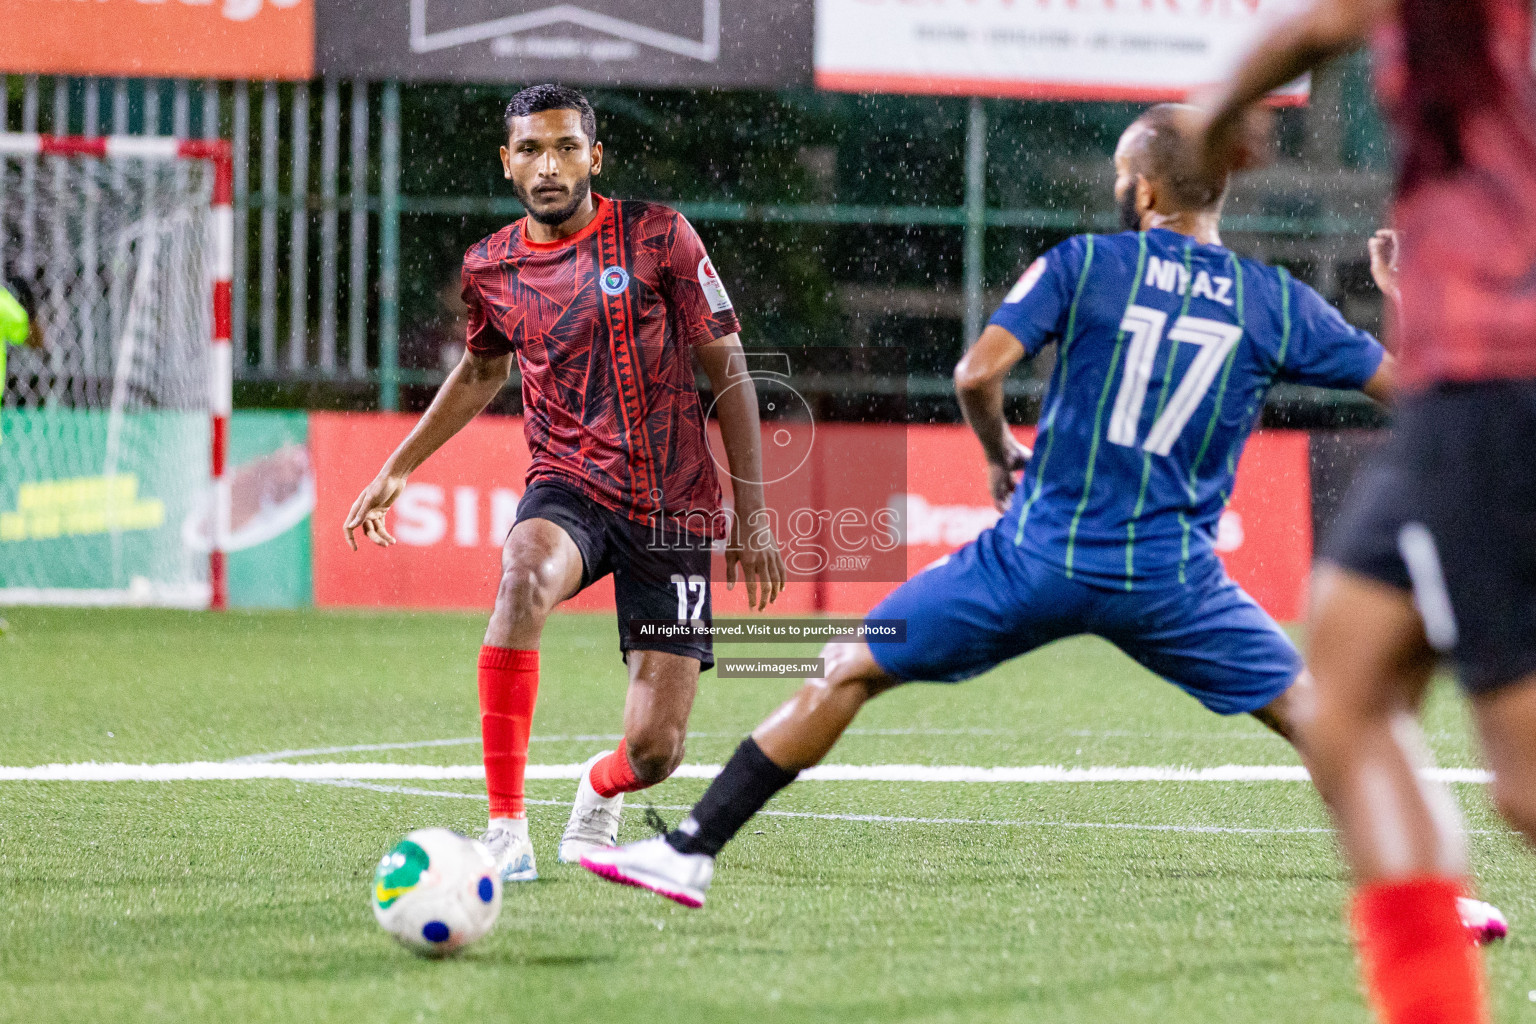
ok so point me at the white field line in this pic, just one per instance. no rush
(285, 755)
(219, 771)
(904, 820)
(465, 741)
(875, 818)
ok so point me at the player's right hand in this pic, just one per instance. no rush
(370, 508)
(1002, 478)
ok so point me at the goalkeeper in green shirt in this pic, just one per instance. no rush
(17, 320)
(17, 327)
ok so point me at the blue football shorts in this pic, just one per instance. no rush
(991, 601)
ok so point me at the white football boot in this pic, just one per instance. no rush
(1483, 921)
(594, 822)
(513, 854)
(653, 864)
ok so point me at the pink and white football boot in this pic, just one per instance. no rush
(1483, 921)
(653, 864)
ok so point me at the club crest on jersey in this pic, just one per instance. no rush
(1028, 281)
(714, 290)
(614, 280)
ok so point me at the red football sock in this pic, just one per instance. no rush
(509, 687)
(1419, 963)
(613, 775)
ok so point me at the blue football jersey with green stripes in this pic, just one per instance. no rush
(1165, 350)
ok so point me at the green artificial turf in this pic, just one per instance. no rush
(248, 901)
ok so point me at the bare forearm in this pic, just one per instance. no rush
(979, 380)
(1284, 56)
(982, 407)
(463, 396)
(724, 363)
(1295, 46)
(1383, 384)
(741, 431)
(751, 549)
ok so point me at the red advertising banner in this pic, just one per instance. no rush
(160, 38)
(459, 507)
(1265, 537)
(450, 521)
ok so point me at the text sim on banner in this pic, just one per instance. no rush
(459, 507)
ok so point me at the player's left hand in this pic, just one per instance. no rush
(1002, 478)
(755, 551)
(1384, 251)
(370, 508)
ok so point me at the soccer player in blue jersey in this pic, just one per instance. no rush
(1167, 343)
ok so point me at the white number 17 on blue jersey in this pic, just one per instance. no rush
(1145, 326)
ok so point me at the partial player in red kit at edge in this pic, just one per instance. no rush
(607, 305)
(1435, 554)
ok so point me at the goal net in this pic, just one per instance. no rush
(112, 422)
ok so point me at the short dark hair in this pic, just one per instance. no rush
(538, 98)
(1164, 155)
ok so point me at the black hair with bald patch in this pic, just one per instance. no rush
(1163, 155)
(538, 98)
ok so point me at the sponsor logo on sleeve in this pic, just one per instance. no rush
(714, 290)
(1027, 282)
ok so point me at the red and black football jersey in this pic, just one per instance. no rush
(1468, 256)
(604, 324)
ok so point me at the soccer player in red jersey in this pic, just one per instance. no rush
(607, 305)
(1435, 554)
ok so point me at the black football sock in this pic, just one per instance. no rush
(748, 780)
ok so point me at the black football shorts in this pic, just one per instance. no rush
(1446, 509)
(656, 576)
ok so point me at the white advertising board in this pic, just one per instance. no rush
(1038, 49)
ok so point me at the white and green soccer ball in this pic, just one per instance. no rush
(436, 891)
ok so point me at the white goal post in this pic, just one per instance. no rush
(114, 424)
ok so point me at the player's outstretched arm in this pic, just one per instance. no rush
(1320, 32)
(466, 392)
(979, 388)
(1324, 350)
(752, 545)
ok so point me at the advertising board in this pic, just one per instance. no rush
(160, 38)
(1040, 49)
(452, 520)
(732, 44)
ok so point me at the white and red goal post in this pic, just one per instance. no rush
(128, 245)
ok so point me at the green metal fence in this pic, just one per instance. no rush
(952, 206)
